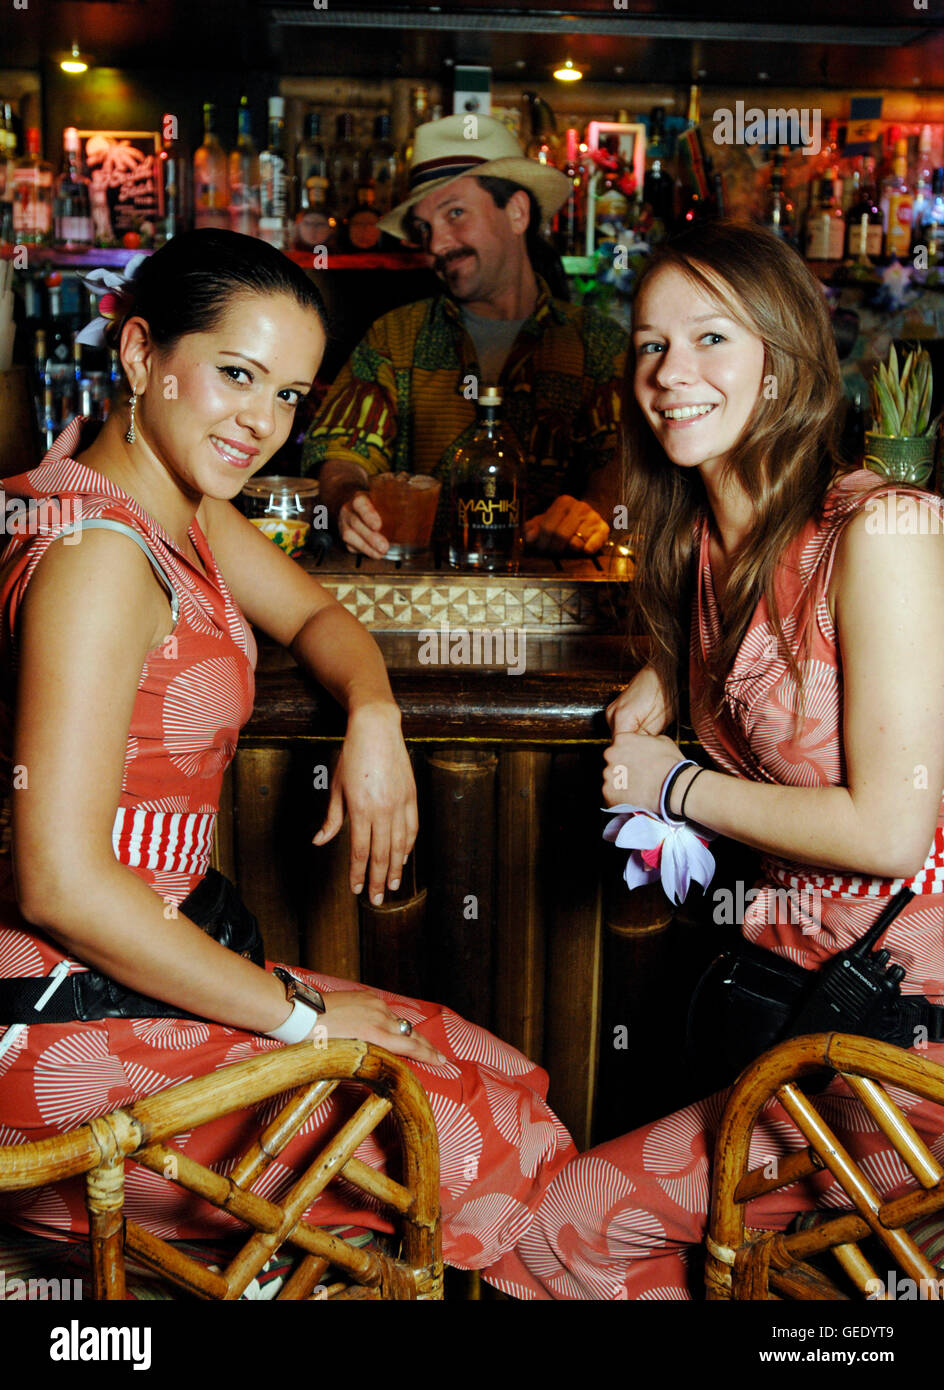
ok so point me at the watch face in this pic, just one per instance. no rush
(300, 991)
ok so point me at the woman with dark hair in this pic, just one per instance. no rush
(815, 662)
(127, 667)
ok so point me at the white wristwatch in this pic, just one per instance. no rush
(307, 1006)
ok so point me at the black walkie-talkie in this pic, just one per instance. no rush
(855, 985)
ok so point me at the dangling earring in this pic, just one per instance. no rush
(131, 436)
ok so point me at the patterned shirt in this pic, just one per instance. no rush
(406, 398)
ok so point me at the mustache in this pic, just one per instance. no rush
(440, 263)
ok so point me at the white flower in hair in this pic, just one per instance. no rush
(113, 292)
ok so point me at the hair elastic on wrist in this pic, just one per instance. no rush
(671, 778)
(688, 789)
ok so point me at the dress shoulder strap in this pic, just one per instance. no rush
(105, 524)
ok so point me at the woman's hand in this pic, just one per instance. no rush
(373, 781)
(360, 1014)
(643, 707)
(636, 767)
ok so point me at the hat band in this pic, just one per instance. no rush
(456, 165)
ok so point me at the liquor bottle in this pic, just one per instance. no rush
(864, 231)
(314, 225)
(344, 163)
(273, 175)
(779, 212)
(59, 368)
(73, 206)
(382, 167)
(825, 228)
(544, 145)
(361, 230)
(40, 380)
(86, 403)
(569, 225)
(177, 211)
(244, 192)
(50, 421)
(824, 165)
(7, 162)
(419, 115)
(487, 493)
(897, 203)
(658, 189)
(930, 233)
(32, 195)
(921, 178)
(210, 192)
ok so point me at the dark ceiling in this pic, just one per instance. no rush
(849, 43)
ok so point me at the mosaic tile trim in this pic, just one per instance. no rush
(387, 605)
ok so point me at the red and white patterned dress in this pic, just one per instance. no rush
(500, 1144)
(621, 1221)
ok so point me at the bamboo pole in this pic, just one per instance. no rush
(461, 834)
(524, 780)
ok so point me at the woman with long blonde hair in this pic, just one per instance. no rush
(809, 632)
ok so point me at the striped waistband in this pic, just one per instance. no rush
(928, 879)
(169, 841)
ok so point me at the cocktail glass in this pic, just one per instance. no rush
(407, 505)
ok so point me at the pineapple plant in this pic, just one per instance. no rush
(901, 444)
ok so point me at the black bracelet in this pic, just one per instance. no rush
(688, 789)
(665, 810)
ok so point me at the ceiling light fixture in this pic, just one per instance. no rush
(75, 62)
(568, 73)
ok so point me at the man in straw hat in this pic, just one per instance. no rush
(406, 397)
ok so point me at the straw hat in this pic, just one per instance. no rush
(446, 150)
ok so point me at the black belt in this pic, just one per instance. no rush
(910, 1012)
(214, 905)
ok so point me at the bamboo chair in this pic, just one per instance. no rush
(141, 1132)
(775, 1264)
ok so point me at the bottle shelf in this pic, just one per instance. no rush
(117, 257)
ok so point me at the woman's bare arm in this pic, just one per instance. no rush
(890, 623)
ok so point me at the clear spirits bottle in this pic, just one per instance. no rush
(273, 176)
(210, 190)
(382, 165)
(313, 223)
(177, 211)
(32, 195)
(73, 205)
(345, 165)
(487, 493)
(244, 192)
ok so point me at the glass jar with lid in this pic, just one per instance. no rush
(282, 508)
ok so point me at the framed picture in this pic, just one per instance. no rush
(124, 172)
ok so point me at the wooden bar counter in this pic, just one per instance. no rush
(512, 911)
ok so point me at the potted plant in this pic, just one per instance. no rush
(900, 445)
